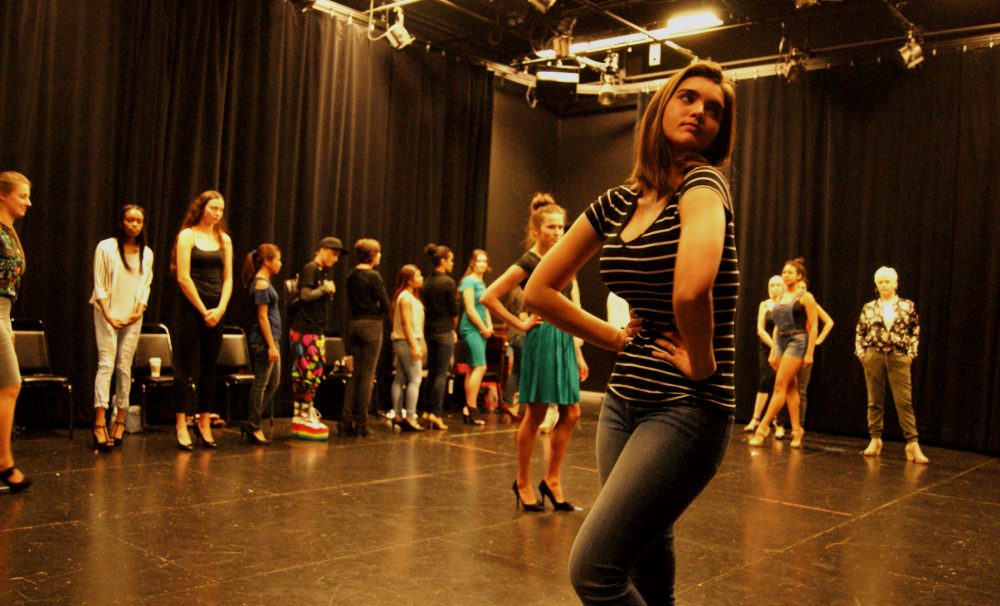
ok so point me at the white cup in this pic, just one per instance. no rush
(154, 366)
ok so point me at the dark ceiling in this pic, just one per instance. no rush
(507, 31)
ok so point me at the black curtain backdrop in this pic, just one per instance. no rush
(306, 127)
(868, 166)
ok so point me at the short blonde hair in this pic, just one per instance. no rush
(887, 273)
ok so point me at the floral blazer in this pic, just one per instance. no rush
(902, 337)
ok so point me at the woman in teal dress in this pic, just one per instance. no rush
(552, 364)
(475, 326)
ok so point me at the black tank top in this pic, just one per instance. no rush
(206, 271)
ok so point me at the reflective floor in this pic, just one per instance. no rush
(430, 519)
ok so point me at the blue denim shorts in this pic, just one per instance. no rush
(792, 345)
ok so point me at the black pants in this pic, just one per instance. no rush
(196, 351)
(440, 348)
(364, 342)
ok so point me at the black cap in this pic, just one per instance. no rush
(332, 243)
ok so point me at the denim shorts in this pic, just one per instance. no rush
(792, 345)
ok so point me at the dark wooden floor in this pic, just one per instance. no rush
(430, 519)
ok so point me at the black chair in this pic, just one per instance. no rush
(335, 367)
(31, 347)
(496, 362)
(154, 342)
(234, 364)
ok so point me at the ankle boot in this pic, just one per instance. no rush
(914, 454)
(874, 448)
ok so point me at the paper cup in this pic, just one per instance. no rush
(154, 367)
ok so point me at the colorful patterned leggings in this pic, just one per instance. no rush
(308, 357)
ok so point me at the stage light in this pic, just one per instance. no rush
(606, 94)
(397, 35)
(557, 84)
(542, 6)
(692, 22)
(806, 3)
(795, 66)
(303, 5)
(911, 53)
(678, 26)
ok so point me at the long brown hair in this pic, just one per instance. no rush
(472, 262)
(8, 180)
(255, 260)
(654, 159)
(403, 278)
(194, 214)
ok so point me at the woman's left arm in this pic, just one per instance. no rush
(826, 321)
(542, 293)
(581, 363)
(810, 304)
(227, 275)
(699, 252)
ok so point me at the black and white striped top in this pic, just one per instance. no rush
(642, 272)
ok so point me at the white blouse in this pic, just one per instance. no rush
(113, 282)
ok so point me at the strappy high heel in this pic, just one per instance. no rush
(797, 438)
(102, 445)
(543, 488)
(760, 435)
(752, 425)
(118, 441)
(470, 416)
(535, 507)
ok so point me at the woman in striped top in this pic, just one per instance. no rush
(668, 248)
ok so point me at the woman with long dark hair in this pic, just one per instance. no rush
(407, 346)
(259, 267)
(15, 200)
(202, 262)
(123, 274)
(440, 299)
(667, 246)
(552, 364)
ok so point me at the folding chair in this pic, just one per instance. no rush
(31, 347)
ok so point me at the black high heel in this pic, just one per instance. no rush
(101, 445)
(14, 486)
(247, 431)
(181, 445)
(201, 438)
(526, 506)
(556, 505)
(470, 416)
(346, 428)
(121, 440)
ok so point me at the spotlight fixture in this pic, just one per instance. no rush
(606, 94)
(911, 53)
(806, 3)
(397, 35)
(542, 6)
(795, 65)
(557, 84)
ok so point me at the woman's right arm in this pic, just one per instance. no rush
(500, 287)
(762, 323)
(185, 242)
(557, 268)
(103, 270)
(469, 302)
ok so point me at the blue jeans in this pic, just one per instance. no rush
(653, 462)
(265, 382)
(407, 380)
(440, 347)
